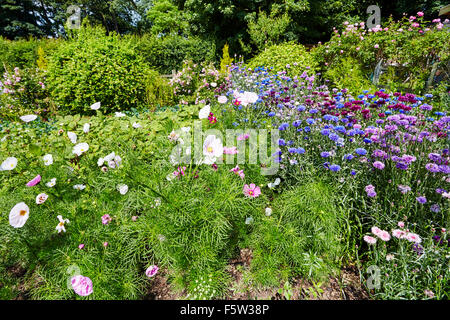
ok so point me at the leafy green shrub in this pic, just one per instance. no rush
(198, 83)
(301, 237)
(409, 48)
(24, 53)
(290, 57)
(24, 92)
(348, 74)
(168, 53)
(92, 67)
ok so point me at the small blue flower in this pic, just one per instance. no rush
(281, 142)
(271, 114)
(300, 150)
(335, 168)
(361, 151)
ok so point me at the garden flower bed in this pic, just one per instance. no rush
(307, 182)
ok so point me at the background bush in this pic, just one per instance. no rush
(91, 67)
(290, 57)
(167, 53)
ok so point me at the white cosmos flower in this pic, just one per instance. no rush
(185, 129)
(41, 198)
(109, 157)
(100, 162)
(80, 148)
(52, 183)
(222, 99)
(120, 114)
(86, 127)
(72, 137)
(28, 118)
(19, 215)
(137, 125)
(212, 148)
(48, 159)
(122, 188)
(95, 106)
(9, 164)
(272, 185)
(213, 84)
(268, 211)
(246, 97)
(60, 226)
(79, 187)
(204, 112)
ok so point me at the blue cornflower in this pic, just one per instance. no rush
(292, 150)
(367, 140)
(296, 123)
(281, 142)
(312, 111)
(300, 150)
(333, 137)
(271, 114)
(325, 132)
(335, 168)
(361, 151)
(283, 126)
(307, 129)
(348, 157)
(310, 121)
(301, 108)
(325, 154)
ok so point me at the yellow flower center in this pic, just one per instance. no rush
(61, 224)
(250, 192)
(210, 149)
(22, 212)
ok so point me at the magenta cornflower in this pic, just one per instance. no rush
(379, 165)
(106, 219)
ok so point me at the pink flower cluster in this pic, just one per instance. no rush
(238, 171)
(106, 219)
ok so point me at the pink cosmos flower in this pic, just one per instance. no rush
(420, 14)
(105, 244)
(81, 246)
(106, 219)
(34, 182)
(401, 224)
(379, 165)
(151, 271)
(370, 240)
(252, 191)
(238, 171)
(82, 285)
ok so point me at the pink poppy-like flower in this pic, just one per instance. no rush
(252, 191)
(399, 234)
(420, 14)
(151, 271)
(244, 136)
(401, 224)
(105, 244)
(106, 219)
(231, 150)
(34, 181)
(370, 240)
(412, 237)
(384, 235)
(376, 231)
(82, 285)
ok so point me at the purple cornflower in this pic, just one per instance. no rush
(432, 167)
(379, 165)
(404, 189)
(421, 199)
